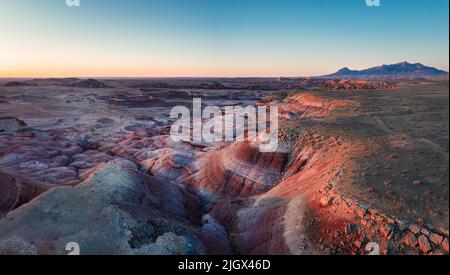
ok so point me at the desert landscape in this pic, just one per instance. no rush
(363, 158)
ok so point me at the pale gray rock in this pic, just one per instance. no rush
(103, 215)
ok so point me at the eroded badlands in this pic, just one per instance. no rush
(92, 162)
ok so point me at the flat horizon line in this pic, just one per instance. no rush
(150, 77)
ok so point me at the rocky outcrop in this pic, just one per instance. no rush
(389, 231)
(117, 210)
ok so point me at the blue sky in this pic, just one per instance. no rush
(217, 37)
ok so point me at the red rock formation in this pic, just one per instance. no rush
(265, 223)
(308, 105)
(238, 170)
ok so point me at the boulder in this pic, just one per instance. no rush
(424, 244)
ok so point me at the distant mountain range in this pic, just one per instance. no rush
(394, 71)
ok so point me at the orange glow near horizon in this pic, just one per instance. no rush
(82, 63)
(140, 70)
(67, 72)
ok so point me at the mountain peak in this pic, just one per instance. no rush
(399, 70)
(344, 70)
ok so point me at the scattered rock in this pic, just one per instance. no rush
(360, 212)
(414, 228)
(410, 239)
(424, 244)
(402, 225)
(425, 232)
(387, 231)
(436, 238)
(445, 244)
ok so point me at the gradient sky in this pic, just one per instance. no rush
(150, 38)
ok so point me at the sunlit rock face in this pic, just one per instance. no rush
(238, 170)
